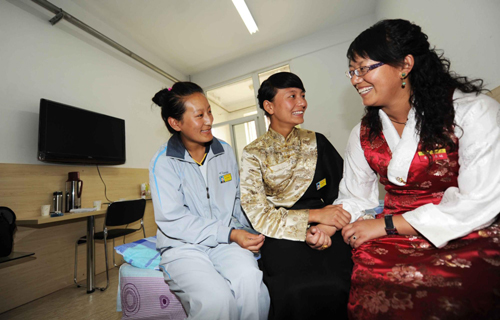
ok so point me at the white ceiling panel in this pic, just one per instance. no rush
(196, 35)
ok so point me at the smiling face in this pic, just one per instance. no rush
(381, 86)
(195, 127)
(287, 109)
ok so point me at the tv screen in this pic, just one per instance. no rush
(73, 135)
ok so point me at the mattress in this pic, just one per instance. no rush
(143, 294)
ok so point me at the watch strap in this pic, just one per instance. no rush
(390, 229)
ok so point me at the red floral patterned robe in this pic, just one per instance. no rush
(406, 277)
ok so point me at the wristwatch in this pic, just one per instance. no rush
(390, 229)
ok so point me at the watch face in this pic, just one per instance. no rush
(388, 221)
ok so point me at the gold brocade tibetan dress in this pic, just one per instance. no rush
(275, 173)
(281, 179)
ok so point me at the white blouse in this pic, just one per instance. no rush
(473, 205)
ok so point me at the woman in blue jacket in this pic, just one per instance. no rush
(207, 257)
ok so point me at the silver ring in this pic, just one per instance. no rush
(354, 237)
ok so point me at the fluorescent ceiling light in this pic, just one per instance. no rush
(245, 14)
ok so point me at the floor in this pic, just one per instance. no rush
(72, 303)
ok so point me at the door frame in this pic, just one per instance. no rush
(235, 122)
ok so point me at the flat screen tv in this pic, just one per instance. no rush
(72, 135)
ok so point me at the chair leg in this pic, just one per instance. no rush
(114, 263)
(76, 264)
(106, 257)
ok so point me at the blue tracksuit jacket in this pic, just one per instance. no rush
(188, 210)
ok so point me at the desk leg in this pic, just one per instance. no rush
(90, 254)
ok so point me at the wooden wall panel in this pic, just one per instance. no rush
(24, 188)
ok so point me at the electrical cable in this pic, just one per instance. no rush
(105, 194)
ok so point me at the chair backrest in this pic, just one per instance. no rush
(7, 227)
(125, 212)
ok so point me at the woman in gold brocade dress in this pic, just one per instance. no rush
(289, 179)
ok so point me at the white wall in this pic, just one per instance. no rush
(467, 31)
(320, 61)
(64, 64)
(334, 107)
(283, 53)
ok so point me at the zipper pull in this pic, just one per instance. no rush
(208, 195)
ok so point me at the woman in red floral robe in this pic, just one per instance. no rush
(433, 140)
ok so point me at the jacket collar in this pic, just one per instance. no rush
(176, 149)
(277, 136)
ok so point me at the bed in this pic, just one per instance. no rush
(142, 291)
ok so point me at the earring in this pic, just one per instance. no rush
(403, 81)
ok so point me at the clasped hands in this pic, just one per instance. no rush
(329, 219)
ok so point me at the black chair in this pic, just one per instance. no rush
(7, 228)
(118, 214)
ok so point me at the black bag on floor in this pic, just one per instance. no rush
(7, 227)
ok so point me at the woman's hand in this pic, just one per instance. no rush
(247, 240)
(357, 233)
(317, 239)
(328, 230)
(332, 215)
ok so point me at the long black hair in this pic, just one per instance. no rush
(432, 82)
(171, 101)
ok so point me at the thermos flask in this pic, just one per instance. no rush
(74, 187)
(57, 201)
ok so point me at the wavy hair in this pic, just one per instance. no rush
(432, 82)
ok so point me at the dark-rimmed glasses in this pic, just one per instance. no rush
(361, 71)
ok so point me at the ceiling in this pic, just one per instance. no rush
(196, 35)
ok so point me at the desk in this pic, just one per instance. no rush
(90, 236)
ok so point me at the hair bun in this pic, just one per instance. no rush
(171, 101)
(160, 97)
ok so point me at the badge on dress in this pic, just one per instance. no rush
(225, 178)
(438, 154)
(320, 184)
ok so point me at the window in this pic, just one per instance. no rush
(238, 120)
(232, 101)
(266, 74)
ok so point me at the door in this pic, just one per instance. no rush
(238, 133)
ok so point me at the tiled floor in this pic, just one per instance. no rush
(72, 303)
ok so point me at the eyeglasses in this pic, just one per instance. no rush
(361, 71)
